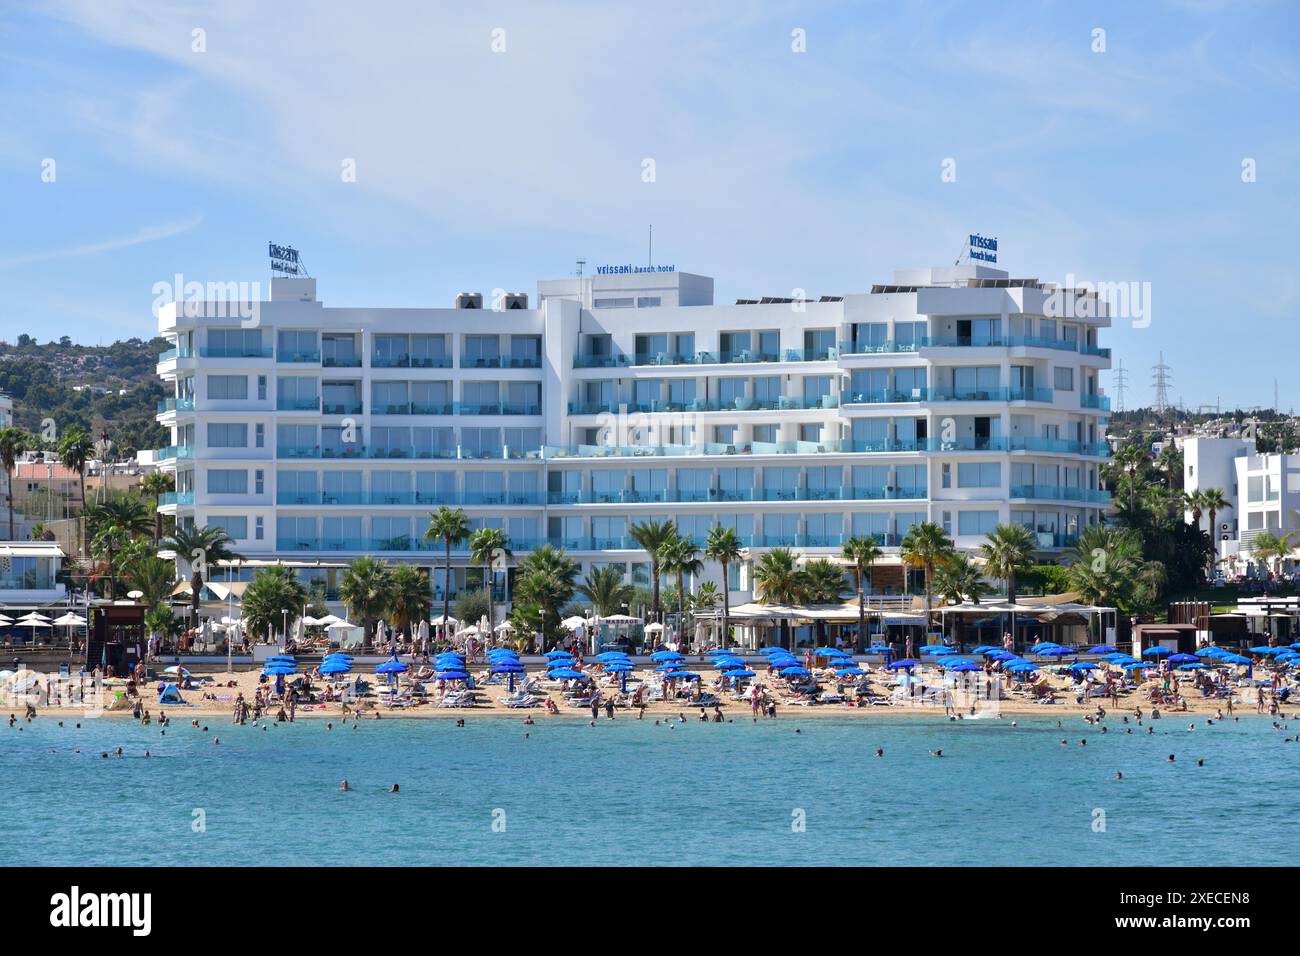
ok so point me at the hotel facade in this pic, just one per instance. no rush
(957, 395)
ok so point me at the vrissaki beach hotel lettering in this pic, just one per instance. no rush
(629, 269)
(983, 249)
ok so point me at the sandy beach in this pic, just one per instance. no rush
(199, 703)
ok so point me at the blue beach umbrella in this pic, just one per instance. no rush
(739, 675)
(330, 668)
(661, 656)
(795, 671)
(1042, 646)
(730, 666)
(1182, 659)
(1103, 649)
(566, 673)
(984, 649)
(1056, 651)
(280, 670)
(392, 666)
(1156, 651)
(1021, 667)
(552, 655)
(452, 675)
(830, 652)
(936, 649)
(610, 657)
(1211, 652)
(1137, 665)
(963, 666)
(1080, 666)
(1001, 656)
(904, 663)
(1198, 666)
(682, 675)
(1235, 659)
(671, 666)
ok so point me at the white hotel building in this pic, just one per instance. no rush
(951, 395)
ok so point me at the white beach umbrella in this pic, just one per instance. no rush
(309, 621)
(338, 624)
(71, 620)
(573, 623)
(654, 627)
(505, 626)
(468, 631)
(5, 621)
(331, 619)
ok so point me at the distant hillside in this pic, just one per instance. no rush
(40, 380)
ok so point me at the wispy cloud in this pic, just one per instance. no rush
(138, 238)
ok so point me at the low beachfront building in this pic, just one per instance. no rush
(955, 395)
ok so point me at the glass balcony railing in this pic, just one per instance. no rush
(788, 402)
(176, 498)
(1086, 349)
(970, 341)
(175, 405)
(860, 347)
(341, 361)
(430, 361)
(174, 452)
(176, 353)
(1060, 446)
(390, 361)
(251, 352)
(480, 361)
(341, 408)
(1061, 493)
(522, 361)
(285, 404)
(306, 358)
(1100, 402)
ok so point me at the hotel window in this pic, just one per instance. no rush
(694, 484)
(733, 345)
(870, 525)
(780, 529)
(870, 434)
(340, 349)
(481, 393)
(650, 347)
(389, 534)
(259, 528)
(724, 434)
(981, 474)
(765, 433)
(647, 301)
(1070, 333)
(607, 486)
(870, 385)
(910, 480)
(816, 388)
(522, 487)
(295, 533)
(292, 345)
(823, 529)
(649, 484)
(909, 335)
(975, 380)
(390, 487)
(767, 389)
(236, 526)
(735, 484)
(391, 351)
(259, 430)
(525, 351)
(1063, 378)
(296, 487)
(1023, 518)
(608, 531)
(524, 397)
(945, 475)
(647, 390)
(337, 440)
(824, 483)
(870, 480)
(295, 437)
(870, 336)
(743, 525)
(338, 534)
(681, 391)
(435, 487)
(683, 342)
(428, 351)
(947, 523)
(976, 522)
(818, 343)
(481, 441)
(769, 346)
(523, 439)
(905, 521)
(810, 432)
(227, 387)
(909, 383)
(235, 343)
(227, 435)
(430, 398)
(261, 388)
(227, 481)
(296, 392)
(619, 303)
(485, 488)
(731, 392)
(1022, 376)
(522, 531)
(780, 484)
(1047, 330)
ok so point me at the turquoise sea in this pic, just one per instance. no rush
(629, 792)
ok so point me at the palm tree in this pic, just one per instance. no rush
(366, 589)
(924, 546)
(778, 580)
(545, 582)
(606, 590)
(13, 442)
(153, 577)
(157, 483)
(1194, 501)
(409, 601)
(76, 449)
(116, 522)
(451, 526)
(823, 581)
(1269, 547)
(1170, 461)
(1213, 501)
(1009, 548)
(959, 578)
(484, 546)
(1107, 568)
(199, 548)
(650, 536)
(1129, 461)
(274, 597)
(861, 551)
(723, 546)
(681, 557)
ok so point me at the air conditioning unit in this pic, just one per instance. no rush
(1223, 527)
(1226, 537)
(514, 300)
(469, 300)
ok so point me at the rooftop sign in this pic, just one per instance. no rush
(983, 249)
(629, 269)
(285, 260)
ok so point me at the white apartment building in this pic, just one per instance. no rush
(954, 395)
(6, 411)
(1264, 491)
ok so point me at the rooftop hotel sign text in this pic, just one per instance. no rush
(629, 270)
(983, 249)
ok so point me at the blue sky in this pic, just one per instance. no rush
(774, 170)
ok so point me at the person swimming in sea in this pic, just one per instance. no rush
(344, 786)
